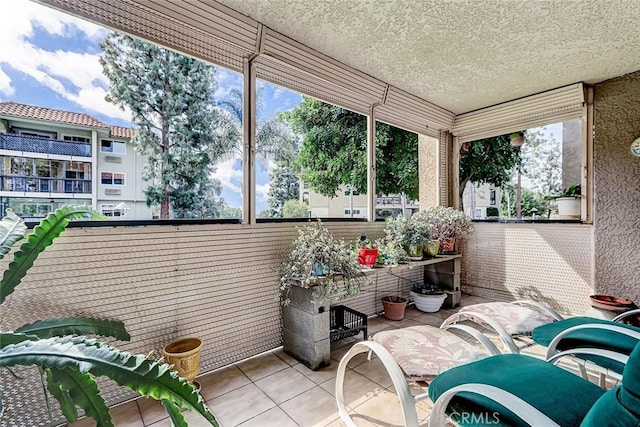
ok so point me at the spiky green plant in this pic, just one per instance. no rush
(67, 360)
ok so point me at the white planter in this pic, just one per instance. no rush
(568, 207)
(428, 303)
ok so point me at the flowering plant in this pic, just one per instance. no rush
(446, 222)
(314, 246)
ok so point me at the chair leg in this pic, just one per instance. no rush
(407, 401)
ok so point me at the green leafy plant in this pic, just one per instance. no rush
(67, 360)
(316, 245)
(364, 243)
(446, 222)
(574, 191)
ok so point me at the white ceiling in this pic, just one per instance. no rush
(465, 54)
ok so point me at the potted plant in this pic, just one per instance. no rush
(428, 298)
(448, 225)
(67, 360)
(394, 307)
(568, 202)
(315, 246)
(412, 233)
(390, 252)
(367, 252)
(517, 139)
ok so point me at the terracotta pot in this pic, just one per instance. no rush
(367, 257)
(394, 307)
(448, 245)
(184, 355)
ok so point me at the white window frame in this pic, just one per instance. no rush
(113, 178)
(114, 141)
(86, 139)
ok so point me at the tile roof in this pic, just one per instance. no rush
(122, 132)
(40, 113)
(25, 111)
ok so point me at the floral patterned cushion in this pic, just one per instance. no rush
(515, 319)
(423, 352)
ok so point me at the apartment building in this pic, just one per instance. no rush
(351, 204)
(52, 158)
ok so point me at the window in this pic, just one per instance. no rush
(522, 180)
(112, 178)
(74, 138)
(107, 146)
(110, 210)
(37, 134)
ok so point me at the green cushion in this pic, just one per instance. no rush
(588, 338)
(537, 382)
(619, 407)
(607, 411)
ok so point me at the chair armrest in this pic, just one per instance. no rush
(506, 339)
(519, 407)
(551, 350)
(545, 308)
(626, 314)
(479, 336)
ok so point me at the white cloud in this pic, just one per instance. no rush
(277, 93)
(5, 84)
(262, 191)
(76, 76)
(229, 176)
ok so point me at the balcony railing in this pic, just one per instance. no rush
(34, 144)
(31, 184)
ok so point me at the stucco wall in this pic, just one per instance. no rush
(617, 187)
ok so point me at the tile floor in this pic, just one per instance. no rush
(275, 390)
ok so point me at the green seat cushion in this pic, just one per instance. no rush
(608, 411)
(597, 338)
(539, 383)
(619, 407)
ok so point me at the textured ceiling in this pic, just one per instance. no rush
(465, 54)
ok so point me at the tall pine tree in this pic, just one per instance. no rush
(179, 130)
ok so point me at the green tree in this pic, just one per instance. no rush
(333, 151)
(273, 138)
(284, 183)
(294, 209)
(179, 130)
(487, 161)
(230, 212)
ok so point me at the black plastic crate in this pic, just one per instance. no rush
(346, 322)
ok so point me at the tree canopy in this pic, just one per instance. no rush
(179, 129)
(487, 161)
(333, 151)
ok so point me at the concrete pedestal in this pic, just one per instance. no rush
(446, 275)
(306, 325)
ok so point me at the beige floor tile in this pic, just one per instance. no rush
(285, 384)
(313, 408)
(355, 417)
(125, 415)
(261, 366)
(321, 375)
(382, 410)
(289, 360)
(375, 371)
(404, 323)
(338, 353)
(376, 324)
(222, 381)
(357, 388)
(152, 410)
(194, 419)
(240, 405)
(274, 417)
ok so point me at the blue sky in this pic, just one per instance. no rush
(50, 59)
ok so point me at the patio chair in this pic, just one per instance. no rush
(418, 353)
(576, 332)
(519, 390)
(510, 320)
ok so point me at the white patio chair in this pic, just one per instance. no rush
(417, 353)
